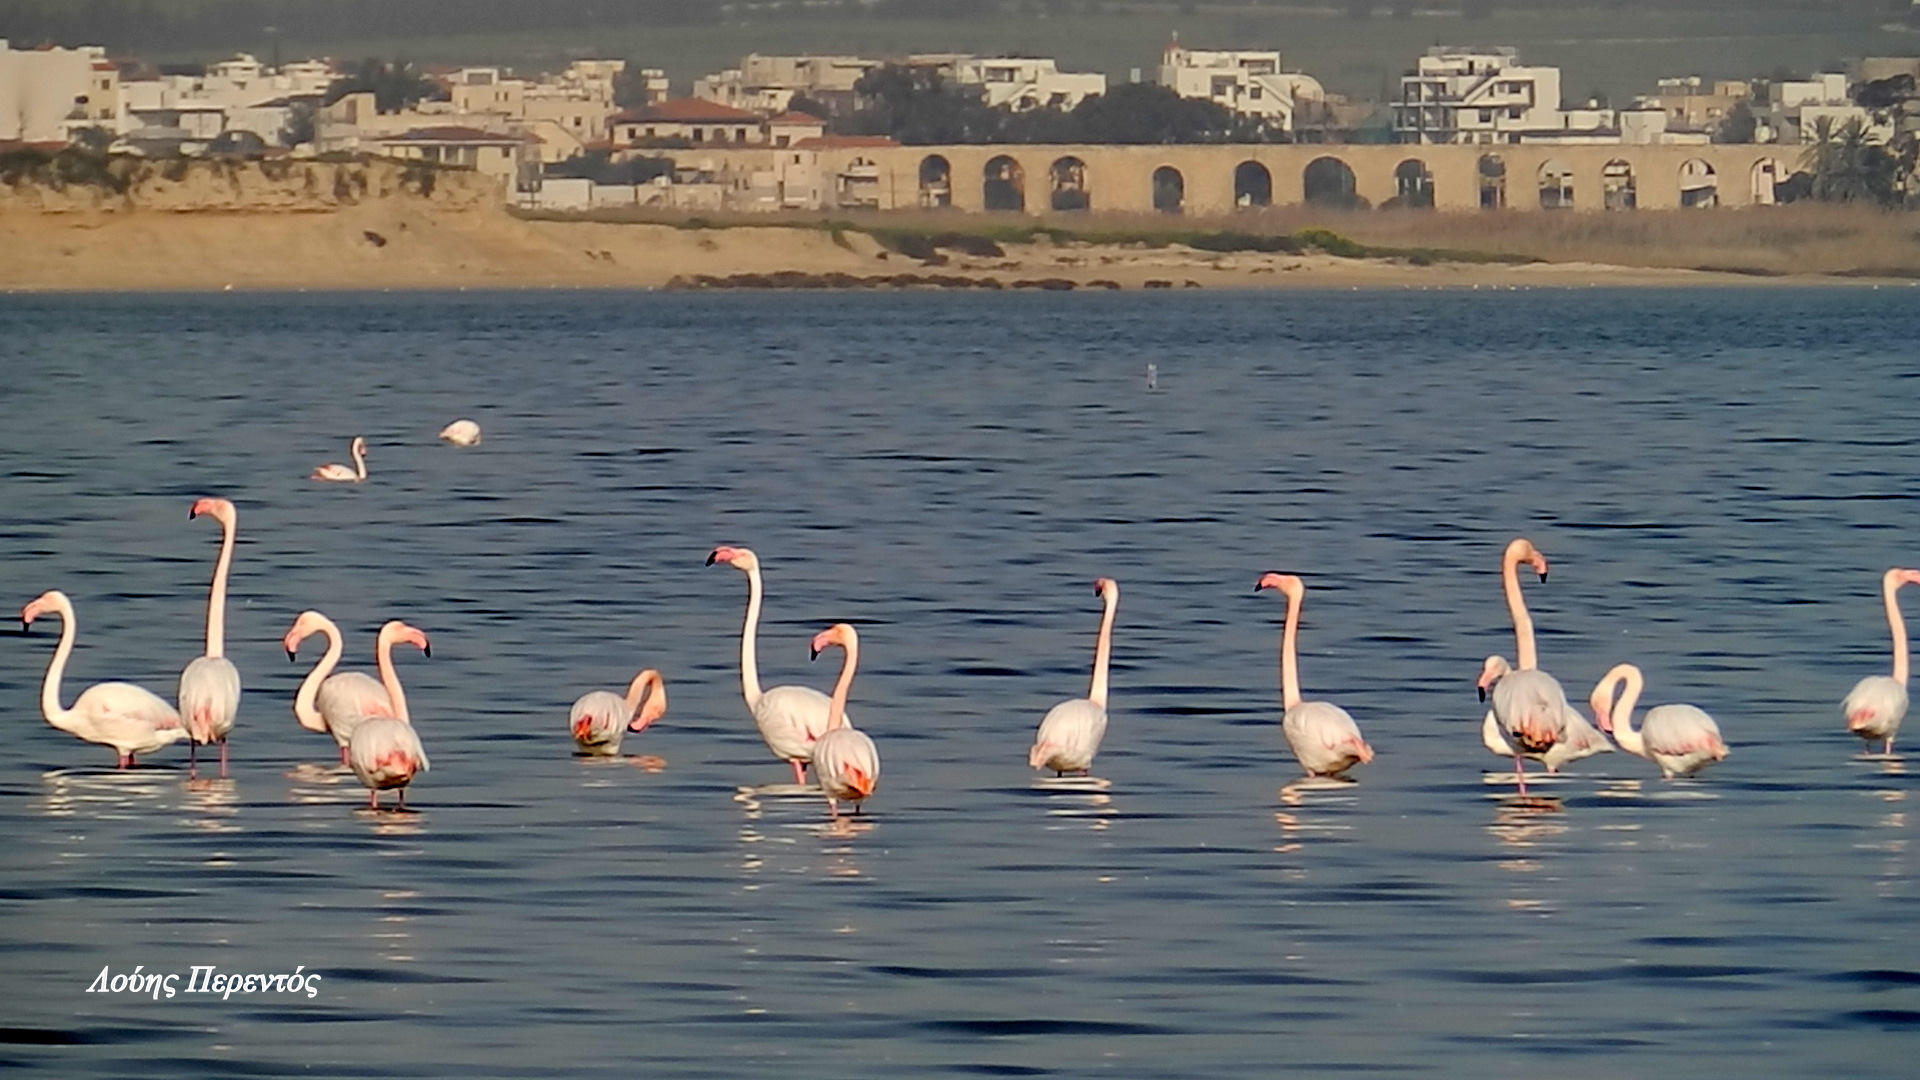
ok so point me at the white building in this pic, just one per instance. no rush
(1247, 81)
(566, 112)
(1018, 83)
(42, 90)
(238, 94)
(1796, 107)
(1475, 95)
(767, 84)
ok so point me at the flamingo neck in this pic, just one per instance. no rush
(390, 679)
(1103, 651)
(637, 689)
(1898, 624)
(749, 634)
(1289, 666)
(217, 597)
(1525, 657)
(303, 701)
(50, 706)
(359, 461)
(1624, 732)
(837, 708)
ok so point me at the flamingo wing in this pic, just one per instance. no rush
(1324, 738)
(792, 719)
(598, 722)
(1069, 736)
(1531, 709)
(1875, 706)
(209, 697)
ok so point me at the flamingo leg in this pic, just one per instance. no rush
(1889, 749)
(373, 799)
(343, 755)
(799, 772)
(1519, 774)
(403, 798)
(125, 762)
(223, 759)
(193, 757)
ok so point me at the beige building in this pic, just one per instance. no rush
(1247, 81)
(48, 91)
(510, 160)
(1692, 104)
(688, 121)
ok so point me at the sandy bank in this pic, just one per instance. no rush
(405, 244)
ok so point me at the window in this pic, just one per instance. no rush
(1514, 113)
(739, 134)
(1253, 92)
(1486, 116)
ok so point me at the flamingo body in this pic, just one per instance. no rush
(847, 765)
(346, 698)
(1532, 710)
(1874, 708)
(334, 473)
(128, 718)
(1324, 738)
(1069, 737)
(385, 753)
(209, 698)
(461, 433)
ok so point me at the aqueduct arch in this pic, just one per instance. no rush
(936, 181)
(1413, 185)
(1329, 181)
(1169, 190)
(1252, 185)
(1067, 185)
(1004, 184)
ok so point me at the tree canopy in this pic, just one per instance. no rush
(917, 107)
(394, 86)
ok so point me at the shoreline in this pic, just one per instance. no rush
(403, 245)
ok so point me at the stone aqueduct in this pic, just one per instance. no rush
(1220, 179)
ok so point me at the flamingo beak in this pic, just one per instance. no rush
(813, 652)
(427, 649)
(291, 657)
(860, 782)
(710, 557)
(580, 728)
(1483, 692)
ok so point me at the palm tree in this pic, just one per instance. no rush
(1848, 165)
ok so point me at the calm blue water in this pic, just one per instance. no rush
(1719, 477)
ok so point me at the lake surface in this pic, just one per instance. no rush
(1718, 476)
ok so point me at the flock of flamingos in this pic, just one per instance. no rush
(1529, 715)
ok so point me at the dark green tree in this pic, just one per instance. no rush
(1847, 165)
(916, 106)
(394, 86)
(1738, 126)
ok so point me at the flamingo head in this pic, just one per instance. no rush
(1492, 671)
(359, 446)
(1602, 704)
(656, 703)
(857, 779)
(1288, 584)
(838, 634)
(221, 509)
(1107, 588)
(308, 624)
(399, 633)
(45, 602)
(741, 559)
(1897, 577)
(1521, 550)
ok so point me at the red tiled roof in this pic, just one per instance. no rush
(687, 111)
(844, 142)
(794, 117)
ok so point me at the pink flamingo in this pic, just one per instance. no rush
(1876, 704)
(1582, 739)
(1070, 733)
(384, 752)
(461, 433)
(844, 759)
(1529, 707)
(1323, 736)
(210, 686)
(601, 718)
(332, 702)
(342, 474)
(790, 718)
(1681, 739)
(121, 715)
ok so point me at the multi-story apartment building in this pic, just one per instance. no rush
(767, 84)
(1247, 81)
(1475, 95)
(1693, 104)
(47, 92)
(1015, 82)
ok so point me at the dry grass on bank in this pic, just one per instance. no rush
(1798, 239)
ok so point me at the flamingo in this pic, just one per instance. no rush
(790, 718)
(1529, 707)
(384, 752)
(1323, 736)
(1876, 704)
(461, 433)
(126, 717)
(1070, 734)
(601, 718)
(1681, 739)
(341, 474)
(844, 758)
(1582, 739)
(329, 701)
(210, 686)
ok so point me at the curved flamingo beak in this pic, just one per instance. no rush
(1269, 580)
(1540, 565)
(580, 728)
(647, 716)
(859, 781)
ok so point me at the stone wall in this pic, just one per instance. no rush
(70, 182)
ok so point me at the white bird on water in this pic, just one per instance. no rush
(1876, 704)
(790, 718)
(461, 433)
(844, 759)
(1070, 734)
(209, 692)
(1323, 736)
(1153, 376)
(335, 473)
